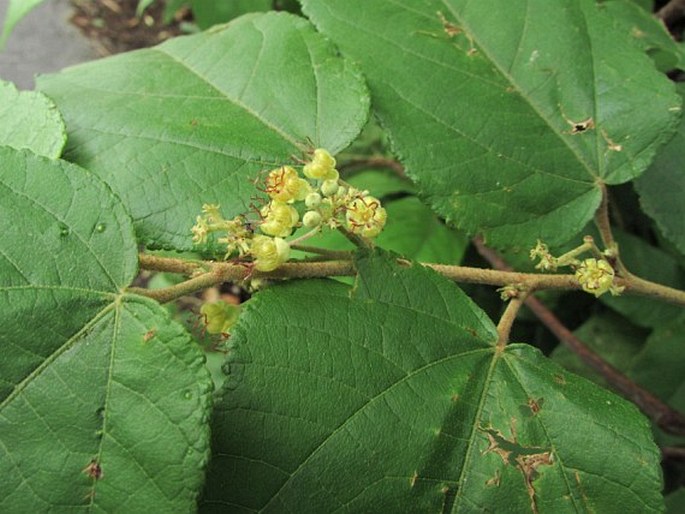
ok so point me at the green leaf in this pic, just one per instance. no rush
(196, 120)
(675, 502)
(36, 124)
(393, 398)
(211, 12)
(16, 10)
(508, 116)
(659, 365)
(661, 187)
(380, 183)
(612, 336)
(103, 400)
(646, 31)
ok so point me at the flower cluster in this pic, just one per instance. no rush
(317, 200)
(595, 275)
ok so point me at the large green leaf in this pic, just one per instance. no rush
(509, 114)
(31, 121)
(196, 119)
(103, 399)
(661, 187)
(394, 398)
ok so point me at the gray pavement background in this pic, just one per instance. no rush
(42, 42)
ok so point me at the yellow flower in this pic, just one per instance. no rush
(211, 213)
(547, 261)
(321, 167)
(237, 236)
(269, 253)
(285, 185)
(596, 277)
(200, 230)
(279, 219)
(365, 216)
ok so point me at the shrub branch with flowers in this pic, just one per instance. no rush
(327, 203)
(195, 320)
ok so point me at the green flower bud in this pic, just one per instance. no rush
(329, 187)
(313, 200)
(311, 219)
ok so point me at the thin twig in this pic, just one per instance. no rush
(673, 452)
(356, 240)
(672, 12)
(331, 254)
(602, 219)
(507, 319)
(664, 416)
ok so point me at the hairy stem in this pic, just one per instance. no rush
(232, 272)
(342, 265)
(507, 320)
(603, 224)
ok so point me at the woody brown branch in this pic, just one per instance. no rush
(672, 12)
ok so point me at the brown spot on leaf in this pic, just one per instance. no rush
(93, 470)
(535, 405)
(528, 465)
(450, 28)
(494, 446)
(413, 479)
(559, 379)
(614, 147)
(527, 460)
(149, 334)
(455, 397)
(494, 481)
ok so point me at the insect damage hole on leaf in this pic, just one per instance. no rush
(527, 460)
(93, 470)
(578, 127)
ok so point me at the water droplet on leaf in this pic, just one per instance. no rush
(63, 230)
(100, 227)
